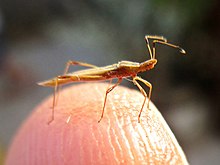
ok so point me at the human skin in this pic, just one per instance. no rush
(76, 137)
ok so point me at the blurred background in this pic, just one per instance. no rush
(38, 37)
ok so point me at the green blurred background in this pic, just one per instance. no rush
(38, 37)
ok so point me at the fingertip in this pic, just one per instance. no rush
(83, 139)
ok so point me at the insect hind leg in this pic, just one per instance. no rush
(57, 87)
(54, 100)
(70, 62)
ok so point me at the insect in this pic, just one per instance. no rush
(120, 70)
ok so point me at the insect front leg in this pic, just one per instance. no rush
(69, 63)
(143, 92)
(106, 94)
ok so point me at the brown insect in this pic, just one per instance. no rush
(122, 69)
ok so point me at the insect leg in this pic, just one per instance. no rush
(143, 92)
(77, 63)
(106, 94)
(68, 64)
(54, 100)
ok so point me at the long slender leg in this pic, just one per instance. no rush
(77, 63)
(56, 87)
(143, 92)
(54, 101)
(68, 64)
(106, 94)
(147, 37)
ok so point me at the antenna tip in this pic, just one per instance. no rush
(182, 50)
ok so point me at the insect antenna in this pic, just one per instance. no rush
(168, 44)
(160, 40)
